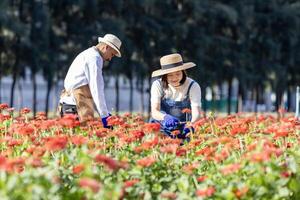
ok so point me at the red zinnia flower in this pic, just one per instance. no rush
(3, 106)
(151, 127)
(78, 169)
(137, 134)
(47, 124)
(171, 148)
(101, 132)
(56, 143)
(14, 142)
(146, 162)
(90, 183)
(25, 110)
(130, 183)
(285, 174)
(205, 192)
(25, 130)
(230, 169)
(241, 192)
(79, 140)
(168, 195)
(201, 178)
(69, 121)
(36, 162)
(181, 152)
(190, 168)
(109, 162)
(186, 110)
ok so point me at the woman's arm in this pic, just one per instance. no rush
(195, 96)
(155, 112)
(156, 95)
(196, 110)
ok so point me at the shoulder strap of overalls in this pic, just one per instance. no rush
(161, 88)
(188, 91)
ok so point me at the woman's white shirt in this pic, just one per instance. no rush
(176, 93)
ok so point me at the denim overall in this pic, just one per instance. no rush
(175, 108)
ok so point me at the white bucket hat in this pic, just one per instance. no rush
(113, 41)
(172, 63)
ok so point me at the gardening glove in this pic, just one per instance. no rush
(104, 121)
(170, 122)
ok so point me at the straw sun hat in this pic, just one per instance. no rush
(172, 63)
(113, 41)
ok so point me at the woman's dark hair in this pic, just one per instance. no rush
(165, 82)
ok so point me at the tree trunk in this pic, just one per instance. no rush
(239, 103)
(256, 98)
(130, 95)
(34, 94)
(49, 86)
(55, 92)
(289, 99)
(229, 96)
(1, 89)
(213, 102)
(20, 99)
(278, 99)
(203, 99)
(142, 97)
(1, 67)
(149, 102)
(12, 89)
(219, 103)
(117, 93)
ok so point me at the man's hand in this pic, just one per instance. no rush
(104, 121)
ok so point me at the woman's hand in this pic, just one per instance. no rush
(170, 122)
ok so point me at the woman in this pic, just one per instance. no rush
(173, 93)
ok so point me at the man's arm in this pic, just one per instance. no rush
(96, 84)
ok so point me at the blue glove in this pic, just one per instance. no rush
(170, 122)
(104, 121)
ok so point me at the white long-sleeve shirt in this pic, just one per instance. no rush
(87, 69)
(176, 94)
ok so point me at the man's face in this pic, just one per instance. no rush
(109, 53)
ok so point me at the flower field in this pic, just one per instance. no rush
(233, 157)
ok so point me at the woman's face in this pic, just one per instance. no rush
(174, 78)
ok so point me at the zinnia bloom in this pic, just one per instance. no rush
(3, 106)
(146, 162)
(77, 169)
(90, 183)
(130, 183)
(56, 143)
(230, 169)
(201, 178)
(168, 195)
(25, 110)
(209, 191)
(241, 192)
(79, 140)
(186, 110)
(109, 162)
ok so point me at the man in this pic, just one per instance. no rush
(84, 85)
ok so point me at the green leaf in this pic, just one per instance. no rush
(284, 192)
(157, 187)
(294, 185)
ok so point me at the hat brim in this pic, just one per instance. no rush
(161, 72)
(101, 39)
